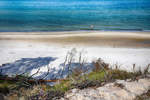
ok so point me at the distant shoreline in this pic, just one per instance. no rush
(86, 38)
(54, 32)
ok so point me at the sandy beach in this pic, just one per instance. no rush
(121, 48)
(84, 38)
(74, 49)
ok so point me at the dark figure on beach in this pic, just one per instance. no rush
(92, 27)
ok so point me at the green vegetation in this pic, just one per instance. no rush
(63, 86)
(21, 86)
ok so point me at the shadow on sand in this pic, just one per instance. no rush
(26, 65)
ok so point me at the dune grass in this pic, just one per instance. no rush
(101, 74)
(92, 79)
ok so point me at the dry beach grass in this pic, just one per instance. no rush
(100, 76)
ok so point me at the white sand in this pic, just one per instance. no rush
(15, 50)
(12, 50)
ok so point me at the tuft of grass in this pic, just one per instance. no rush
(120, 74)
(62, 86)
(94, 76)
(6, 86)
(147, 69)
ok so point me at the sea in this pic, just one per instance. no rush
(74, 15)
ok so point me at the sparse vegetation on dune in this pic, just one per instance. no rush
(100, 74)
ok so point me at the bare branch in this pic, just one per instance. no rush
(46, 73)
(34, 73)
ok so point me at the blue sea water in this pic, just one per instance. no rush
(74, 15)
